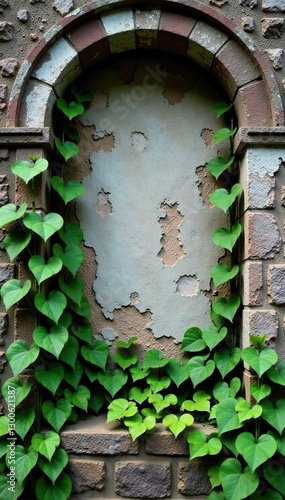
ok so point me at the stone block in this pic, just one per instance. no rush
(90, 41)
(86, 474)
(233, 68)
(120, 29)
(59, 67)
(250, 112)
(261, 235)
(143, 479)
(276, 284)
(273, 5)
(147, 23)
(251, 273)
(272, 27)
(24, 324)
(193, 478)
(275, 56)
(163, 442)
(38, 98)
(6, 272)
(93, 436)
(174, 30)
(259, 322)
(247, 24)
(204, 43)
(3, 327)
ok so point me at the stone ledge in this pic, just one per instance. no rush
(258, 136)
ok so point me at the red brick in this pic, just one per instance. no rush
(174, 30)
(90, 41)
(252, 106)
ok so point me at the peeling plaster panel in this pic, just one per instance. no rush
(127, 242)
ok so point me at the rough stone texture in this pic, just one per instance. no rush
(161, 442)
(63, 6)
(143, 479)
(275, 56)
(247, 105)
(24, 324)
(38, 97)
(86, 474)
(3, 327)
(262, 236)
(193, 478)
(276, 284)
(272, 27)
(9, 67)
(4, 194)
(252, 283)
(147, 23)
(97, 437)
(174, 30)
(91, 42)
(273, 6)
(6, 272)
(3, 5)
(6, 31)
(248, 3)
(119, 27)
(23, 15)
(204, 43)
(247, 24)
(3, 361)
(259, 322)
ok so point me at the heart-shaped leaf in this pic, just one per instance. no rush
(227, 308)
(274, 414)
(113, 382)
(20, 355)
(138, 426)
(201, 446)
(223, 199)
(160, 403)
(42, 270)
(221, 108)
(81, 94)
(71, 234)
(24, 421)
(261, 392)
(255, 452)
(4, 425)
(177, 425)
(67, 149)
(15, 243)
(27, 170)
(59, 490)
(192, 340)
(55, 466)
(53, 306)
(51, 376)
(274, 473)
(24, 461)
(198, 371)
(261, 361)
(5, 488)
(246, 411)
(79, 397)
(56, 415)
(45, 228)
(97, 353)
(83, 309)
(12, 292)
(16, 390)
(237, 483)
(52, 342)
(277, 374)
(70, 351)
(224, 133)
(223, 391)
(221, 273)
(72, 257)
(267, 494)
(83, 332)
(121, 408)
(138, 395)
(9, 213)
(227, 417)
(156, 383)
(200, 402)
(68, 191)
(47, 444)
(72, 109)
(212, 336)
(154, 359)
(280, 441)
(227, 360)
(125, 359)
(72, 375)
(218, 165)
(177, 371)
(224, 238)
(73, 287)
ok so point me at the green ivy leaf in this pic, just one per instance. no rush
(277, 374)
(192, 340)
(20, 355)
(70, 110)
(12, 292)
(223, 391)
(261, 392)
(42, 270)
(67, 149)
(126, 345)
(16, 390)
(222, 199)
(81, 94)
(121, 408)
(177, 425)
(70, 351)
(45, 228)
(223, 134)
(221, 108)
(14, 243)
(55, 466)
(52, 342)
(27, 170)
(267, 494)
(71, 234)
(275, 477)
(157, 384)
(113, 382)
(221, 273)
(72, 375)
(57, 414)
(218, 165)
(9, 213)
(258, 341)
(154, 359)
(227, 360)
(59, 490)
(227, 417)
(73, 287)
(97, 353)
(138, 395)
(4, 425)
(198, 371)
(200, 445)
(237, 483)
(51, 376)
(177, 371)
(160, 403)
(138, 426)
(212, 336)
(79, 397)
(227, 308)
(53, 306)
(138, 372)
(125, 359)
(213, 474)
(67, 191)
(47, 444)
(279, 439)
(225, 238)
(24, 462)
(200, 402)
(274, 413)
(255, 452)
(83, 332)
(246, 411)
(97, 401)
(24, 421)
(72, 257)
(83, 309)
(261, 361)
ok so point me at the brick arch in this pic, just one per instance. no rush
(194, 31)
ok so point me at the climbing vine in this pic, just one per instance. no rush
(71, 374)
